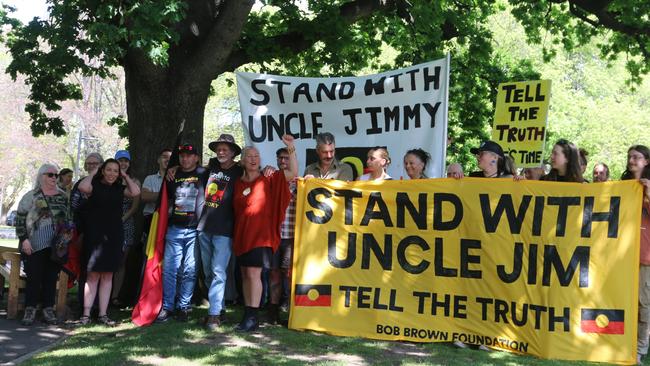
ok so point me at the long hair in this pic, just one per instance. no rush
(100, 171)
(44, 168)
(646, 171)
(572, 155)
(509, 166)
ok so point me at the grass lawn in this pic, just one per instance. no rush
(179, 344)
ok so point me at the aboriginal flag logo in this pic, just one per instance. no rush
(313, 295)
(605, 321)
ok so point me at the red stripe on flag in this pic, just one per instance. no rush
(590, 326)
(150, 301)
(304, 300)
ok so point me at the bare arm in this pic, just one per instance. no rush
(147, 196)
(292, 172)
(86, 185)
(132, 188)
(134, 205)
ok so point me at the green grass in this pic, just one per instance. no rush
(179, 344)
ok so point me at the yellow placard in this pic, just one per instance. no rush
(542, 268)
(520, 120)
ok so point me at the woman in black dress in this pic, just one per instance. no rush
(104, 235)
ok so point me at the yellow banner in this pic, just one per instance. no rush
(520, 120)
(542, 268)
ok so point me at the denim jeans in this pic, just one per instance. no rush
(215, 255)
(178, 262)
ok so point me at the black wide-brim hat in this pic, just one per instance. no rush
(225, 139)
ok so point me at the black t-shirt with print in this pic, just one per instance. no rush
(186, 197)
(218, 217)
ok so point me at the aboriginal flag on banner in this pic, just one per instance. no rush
(313, 295)
(606, 321)
(150, 301)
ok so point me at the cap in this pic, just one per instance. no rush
(122, 154)
(225, 139)
(188, 148)
(490, 146)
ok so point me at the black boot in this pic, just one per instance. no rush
(249, 322)
(273, 314)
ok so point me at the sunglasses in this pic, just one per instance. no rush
(51, 175)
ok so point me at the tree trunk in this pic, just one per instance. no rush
(158, 100)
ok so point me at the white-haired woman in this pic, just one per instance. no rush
(40, 212)
(260, 203)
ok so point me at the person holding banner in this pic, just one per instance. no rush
(328, 167)
(565, 163)
(415, 161)
(260, 203)
(378, 161)
(491, 161)
(638, 167)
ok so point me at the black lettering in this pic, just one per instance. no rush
(312, 198)
(505, 204)
(401, 254)
(552, 260)
(350, 256)
(265, 96)
(588, 216)
(375, 199)
(403, 203)
(438, 200)
(385, 257)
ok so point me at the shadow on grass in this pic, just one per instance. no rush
(177, 344)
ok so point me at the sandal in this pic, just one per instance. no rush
(104, 319)
(84, 320)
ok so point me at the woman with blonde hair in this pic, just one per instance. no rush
(378, 161)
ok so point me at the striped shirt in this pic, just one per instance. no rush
(38, 215)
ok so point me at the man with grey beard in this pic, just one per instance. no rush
(216, 224)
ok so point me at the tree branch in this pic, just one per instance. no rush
(351, 12)
(211, 54)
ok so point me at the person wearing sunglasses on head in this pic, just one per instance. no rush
(39, 212)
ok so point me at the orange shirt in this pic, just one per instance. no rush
(645, 233)
(259, 210)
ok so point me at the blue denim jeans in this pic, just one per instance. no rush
(215, 255)
(179, 262)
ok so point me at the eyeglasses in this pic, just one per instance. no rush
(51, 175)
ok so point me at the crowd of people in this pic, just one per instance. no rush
(234, 207)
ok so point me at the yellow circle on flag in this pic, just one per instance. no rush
(312, 294)
(602, 321)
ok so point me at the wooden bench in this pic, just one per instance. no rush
(10, 270)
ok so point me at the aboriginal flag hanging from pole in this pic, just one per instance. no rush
(150, 301)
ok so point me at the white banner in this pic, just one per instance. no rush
(400, 110)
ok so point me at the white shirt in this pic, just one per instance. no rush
(151, 183)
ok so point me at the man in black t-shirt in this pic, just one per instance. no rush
(186, 200)
(216, 223)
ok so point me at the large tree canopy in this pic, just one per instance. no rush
(171, 50)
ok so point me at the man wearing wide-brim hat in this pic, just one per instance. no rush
(216, 223)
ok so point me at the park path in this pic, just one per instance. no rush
(18, 342)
